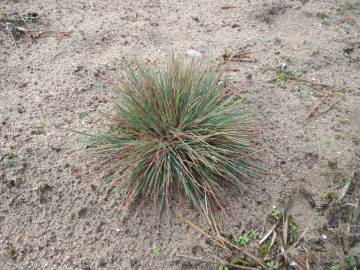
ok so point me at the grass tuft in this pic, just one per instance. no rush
(175, 134)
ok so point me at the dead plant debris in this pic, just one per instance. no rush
(243, 54)
(19, 26)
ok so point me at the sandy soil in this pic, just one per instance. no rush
(55, 211)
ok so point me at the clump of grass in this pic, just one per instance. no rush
(243, 240)
(325, 19)
(353, 5)
(283, 74)
(286, 57)
(157, 250)
(264, 248)
(174, 133)
(9, 163)
(15, 24)
(350, 262)
(272, 265)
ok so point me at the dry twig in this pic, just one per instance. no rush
(224, 243)
(48, 33)
(242, 55)
(316, 107)
(203, 260)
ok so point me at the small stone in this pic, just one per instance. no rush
(20, 110)
(3, 122)
(196, 19)
(102, 263)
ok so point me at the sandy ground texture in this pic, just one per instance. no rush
(56, 213)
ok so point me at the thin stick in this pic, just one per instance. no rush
(47, 33)
(329, 108)
(315, 107)
(224, 240)
(203, 232)
(202, 260)
(299, 79)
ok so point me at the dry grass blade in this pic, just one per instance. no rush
(284, 254)
(302, 235)
(345, 237)
(19, 234)
(301, 262)
(202, 232)
(49, 33)
(307, 264)
(285, 230)
(273, 238)
(344, 190)
(266, 236)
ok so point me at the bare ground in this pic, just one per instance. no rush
(55, 212)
